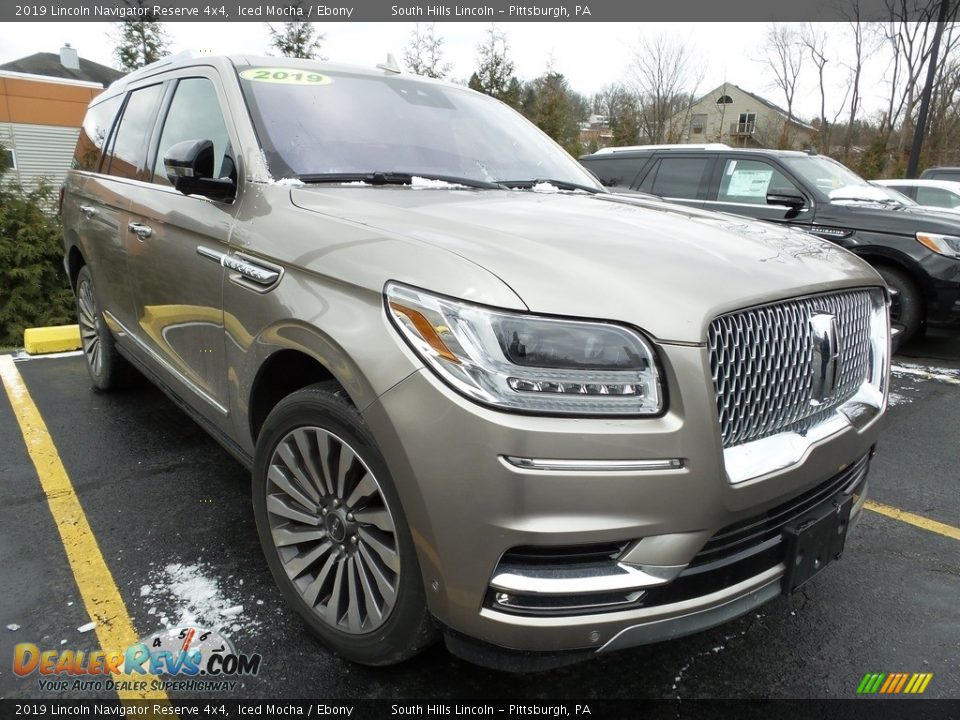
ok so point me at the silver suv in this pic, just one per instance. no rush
(480, 396)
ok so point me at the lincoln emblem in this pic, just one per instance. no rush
(826, 353)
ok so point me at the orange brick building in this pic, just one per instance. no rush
(43, 98)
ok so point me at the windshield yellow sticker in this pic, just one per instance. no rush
(285, 76)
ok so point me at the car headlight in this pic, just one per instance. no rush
(948, 245)
(527, 362)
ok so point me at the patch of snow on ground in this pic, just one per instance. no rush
(13, 627)
(189, 595)
(86, 628)
(927, 372)
(898, 399)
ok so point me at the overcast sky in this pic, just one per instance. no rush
(591, 55)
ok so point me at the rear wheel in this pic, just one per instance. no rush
(107, 369)
(333, 531)
(906, 309)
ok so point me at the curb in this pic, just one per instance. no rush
(60, 338)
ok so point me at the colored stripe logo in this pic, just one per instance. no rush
(894, 683)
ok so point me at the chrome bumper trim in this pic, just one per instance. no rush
(592, 465)
(598, 578)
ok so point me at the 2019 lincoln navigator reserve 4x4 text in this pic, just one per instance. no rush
(479, 395)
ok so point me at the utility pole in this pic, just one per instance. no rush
(921, 128)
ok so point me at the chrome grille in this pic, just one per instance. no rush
(760, 359)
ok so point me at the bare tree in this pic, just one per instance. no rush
(621, 107)
(864, 37)
(814, 41)
(665, 76)
(784, 53)
(424, 54)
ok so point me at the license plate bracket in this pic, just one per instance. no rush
(814, 540)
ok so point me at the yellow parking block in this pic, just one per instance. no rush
(60, 338)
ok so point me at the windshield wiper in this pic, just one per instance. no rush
(394, 178)
(559, 184)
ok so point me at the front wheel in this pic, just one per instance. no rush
(333, 531)
(906, 309)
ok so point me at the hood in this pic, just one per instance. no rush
(897, 219)
(666, 269)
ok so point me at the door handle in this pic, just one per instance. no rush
(88, 211)
(140, 230)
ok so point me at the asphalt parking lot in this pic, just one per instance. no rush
(171, 514)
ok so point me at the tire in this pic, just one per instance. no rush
(353, 578)
(107, 368)
(906, 311)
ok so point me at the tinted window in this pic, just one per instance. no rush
(93, 134)
(941, 175)
(129, 153)
(679, 177)
(616, 172)
(194, 114)
(937, 197)
(749, 181)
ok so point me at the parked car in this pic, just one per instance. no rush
(915, 250)
(941, 173)
(943, 194)
(479, 395)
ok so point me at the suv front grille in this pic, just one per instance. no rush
(760, 360)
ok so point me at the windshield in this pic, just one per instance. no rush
(339, 123)
(835, 181)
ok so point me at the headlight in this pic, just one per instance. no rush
(526, 362)
(948, 245)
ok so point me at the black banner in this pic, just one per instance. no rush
(860, 709)
(467, 11)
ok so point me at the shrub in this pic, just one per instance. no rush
(34, 289)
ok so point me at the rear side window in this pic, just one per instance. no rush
(679, 177)
(194, 114)
(94, 133)
(129, 153)
(616, 172)
(941, 175)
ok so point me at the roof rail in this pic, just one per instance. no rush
(634, 148)
(164, 61)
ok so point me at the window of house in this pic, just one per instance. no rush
(194, 114)
(128, 156)
(698, 124)
(747, 121)
(9, 161)
(749, 181)
(94, 132)
(679, 177)
(724, 100)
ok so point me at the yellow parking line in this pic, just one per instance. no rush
(918, 520)
(100, 594)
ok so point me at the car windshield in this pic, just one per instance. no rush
(325, 126)
(837, 182)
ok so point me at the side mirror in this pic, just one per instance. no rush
(189, 167)
(791, 199)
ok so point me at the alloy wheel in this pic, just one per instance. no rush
(333, 530)
(89, 321)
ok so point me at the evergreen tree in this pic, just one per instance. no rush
(494, 75)
(424, 54)
(549, 102)
(141, 41)
(297, 40)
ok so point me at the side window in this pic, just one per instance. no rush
(909, 190)
(194, 114)
(679, 177)
(615, 172)
(937, 197)
(128, 156)
(749, 181)
(93, 134)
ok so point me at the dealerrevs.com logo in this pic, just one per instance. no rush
(200, 660)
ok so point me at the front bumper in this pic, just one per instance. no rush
(470, 509)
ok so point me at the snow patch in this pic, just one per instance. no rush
(190, 595)
(951, 376)
(144, 590)
(897, 399)
(287, 182)
(13, 627)
(421, 182)
(86, 628)
(545, 187)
